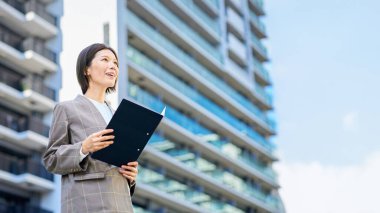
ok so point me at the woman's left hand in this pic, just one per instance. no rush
(129, 171)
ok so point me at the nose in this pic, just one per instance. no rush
(112, 65)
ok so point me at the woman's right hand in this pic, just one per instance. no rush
(97, 141)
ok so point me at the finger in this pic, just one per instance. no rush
(131, 179)
(128, 173)
(104, 144)
(105, 138)
(101, 145)
(105, 131)
(129, 168)
(134, 163)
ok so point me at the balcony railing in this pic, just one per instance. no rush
(20, 208)
(19, 166)
(38, 45)
(143, 61)
(10, 38)
(10, 78)
(260, 47)
(181, 119)
(258, 5)
(22, 123)
(191, 159)
(19, 82)
(257, 22)
(36, 125)
(32, 6)
(23, 44)
(257, 66)
(184, 28)
(183, 191)
(263, 94)
(193, 8)
(196, 67)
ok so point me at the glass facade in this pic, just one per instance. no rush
(176, 56)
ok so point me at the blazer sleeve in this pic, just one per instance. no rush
(62, 156)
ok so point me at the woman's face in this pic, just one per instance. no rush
(103, 70)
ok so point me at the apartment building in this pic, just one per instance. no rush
(30, 42)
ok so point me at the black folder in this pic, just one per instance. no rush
(133, 126)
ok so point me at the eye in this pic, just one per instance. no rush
(115, 62)
(104, 59)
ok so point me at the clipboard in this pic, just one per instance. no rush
(133, 126)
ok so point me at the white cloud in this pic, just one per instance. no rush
(349, 120)
(314, 188)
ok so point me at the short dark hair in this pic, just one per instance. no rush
(84, 61)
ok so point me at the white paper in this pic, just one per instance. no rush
(163, 111)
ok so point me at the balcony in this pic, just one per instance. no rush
(261, 73)
(187, 36)
(29, 92)
(258, 48)
(21, 83)
(257, 26)
(29, 53)
(210, 6)
(237, 50)
(27, 98)
(30, 133)
(26, 174)
(213, 180)
(182, 193)
(235, 23)
(252, 139)
(20, 208)
(237, 4)
(263, 94)
(205, 164)
(240, 75)
(200, 106)
(257, 6)
(182, 64)
(195, 17)
(30, 16)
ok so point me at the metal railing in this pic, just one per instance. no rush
(213, 170)
(10, 78)
(21, 83)
(23, 44)
(10, 38)
(22, 123)
(202, 16)
(38, 45)
(185, 28)
(21, 208)
(257, 22)
(33, 6)
(136, 23)
(19, 166)
(183, 191)
(141, 60)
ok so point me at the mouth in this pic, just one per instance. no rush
(111, 74)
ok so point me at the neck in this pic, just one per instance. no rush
(96, 94)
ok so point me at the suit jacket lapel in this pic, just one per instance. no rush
(89, 106)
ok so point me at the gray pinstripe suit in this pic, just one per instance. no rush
(90, 185)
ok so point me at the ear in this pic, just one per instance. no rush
(86, 71)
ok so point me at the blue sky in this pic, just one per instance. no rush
(325, 67)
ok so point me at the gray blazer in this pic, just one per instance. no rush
(89, 185)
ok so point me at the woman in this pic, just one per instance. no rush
(78, 129)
